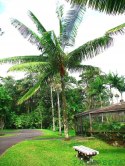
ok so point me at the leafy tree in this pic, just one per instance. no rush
(121, 86)
(88, 79)
(4, 105)
(114, 81)
(97, 87)
(53, 49)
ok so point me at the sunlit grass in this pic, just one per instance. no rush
(55, 134)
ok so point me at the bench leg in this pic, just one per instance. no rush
(88, 159)
(81, 156)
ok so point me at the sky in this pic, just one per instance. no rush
(94, 25)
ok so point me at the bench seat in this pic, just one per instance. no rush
(85, 153)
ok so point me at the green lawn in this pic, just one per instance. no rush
(60, 153)
(50, 134)
(8, 132)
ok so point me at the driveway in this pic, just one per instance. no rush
(25, 134)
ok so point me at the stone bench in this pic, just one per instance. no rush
(85, 153)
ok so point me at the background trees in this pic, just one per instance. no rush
(4, 105)
(36, 111)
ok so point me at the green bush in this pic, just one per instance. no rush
(32, 120)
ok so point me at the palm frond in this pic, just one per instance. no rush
(39, 26)
(30, 67)
(23, 59)
(119, 29)
(107, 6)
(30, 93)
(90, 67)
(32, 37)
(77, 68)
(51, 44)
(71, 23)
(59, 11)
(48, 43)
(90, 49)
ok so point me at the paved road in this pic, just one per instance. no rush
(6, 142)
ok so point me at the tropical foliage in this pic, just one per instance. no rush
(53, 58)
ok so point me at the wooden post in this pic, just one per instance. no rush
(102, 118)
(90, 122)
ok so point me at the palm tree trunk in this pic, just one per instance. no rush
(53, 117)
(59, 115)
(65, 117)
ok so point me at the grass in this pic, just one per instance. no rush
(50, 134)
(60, 153)
(7, 135)
(8, 132)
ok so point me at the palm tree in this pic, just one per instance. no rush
(57, 89)
(114, 81)
(108, 6)
(52, 105)
(53, 49)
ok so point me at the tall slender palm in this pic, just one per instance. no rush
(108, 6)
(57, 89)
(52, 48)
(52, 105)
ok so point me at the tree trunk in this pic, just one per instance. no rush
(53, 117)
(1, 123)
(65, 117)
(41, 124)
(59, 115)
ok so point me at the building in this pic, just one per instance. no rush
(106, 119)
